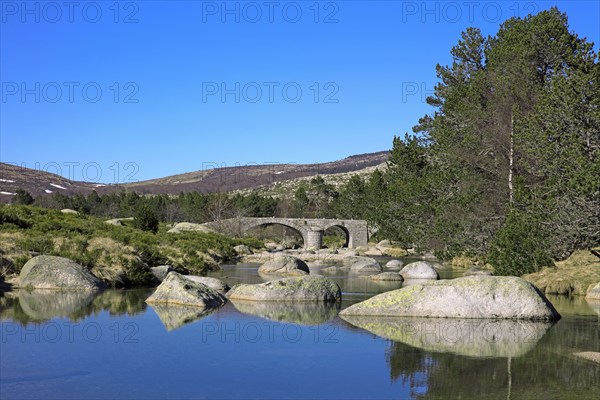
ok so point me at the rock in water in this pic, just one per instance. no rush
(386, 276)
(285, 265)
(419, 270)
(394, 265)
(50, 272)
(366, 265)
(500, 297)
(593, 292)
(177, 289)
(212, 283)
(302, 288)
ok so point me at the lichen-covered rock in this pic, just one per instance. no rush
(419, 270)
(50, 272)
(387, 276)
(302, 288)
(285, 265)
(593, 292)
(213, 283)
(177, 289)
(161, 272)
(468, 297)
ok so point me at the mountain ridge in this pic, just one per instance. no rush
(223, 179)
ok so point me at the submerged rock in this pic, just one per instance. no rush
(50, 272)
(465, 337)
(419, 270)
(177, 289)
(467, 297)
(285, 265)
(213, 283)
(303, 288)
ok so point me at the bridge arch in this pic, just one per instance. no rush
(265, 222)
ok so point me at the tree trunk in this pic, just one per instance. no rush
(511, 160)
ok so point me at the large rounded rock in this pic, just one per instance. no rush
(178, 289)
(593, 292)
(285, 265)
(302, 288)
(212, 283)
(365, 266)
(386, 276)
(468, 297)
(419, 270)
(50, 272)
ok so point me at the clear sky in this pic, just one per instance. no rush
(115, 92)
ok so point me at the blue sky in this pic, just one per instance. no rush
(147, 89)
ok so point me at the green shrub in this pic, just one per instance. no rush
(145, 219)
(519, 246)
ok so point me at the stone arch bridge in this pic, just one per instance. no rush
(311, 229)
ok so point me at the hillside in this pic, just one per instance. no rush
(206, 181)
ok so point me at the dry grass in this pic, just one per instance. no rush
(571, 276)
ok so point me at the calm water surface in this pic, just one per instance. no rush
(58, 345)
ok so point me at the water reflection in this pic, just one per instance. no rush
(547, 370)
(465, 337)
(38, 306)
(309, 313)
(174, 316)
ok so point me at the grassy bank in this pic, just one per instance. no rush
(120, 255)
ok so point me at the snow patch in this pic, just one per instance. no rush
(99, 185)
(279, 172)
(58, 186)
(7, 180)
(8, 193)
(48, 191)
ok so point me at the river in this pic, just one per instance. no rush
(57, 345)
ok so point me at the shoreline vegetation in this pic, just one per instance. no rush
(122, 255)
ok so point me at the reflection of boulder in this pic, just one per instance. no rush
(285, 265)
(466, 337)
(42, 305)
(594, 305)
(313, 313)
(174, 316)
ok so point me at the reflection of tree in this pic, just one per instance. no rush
(549, 370)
